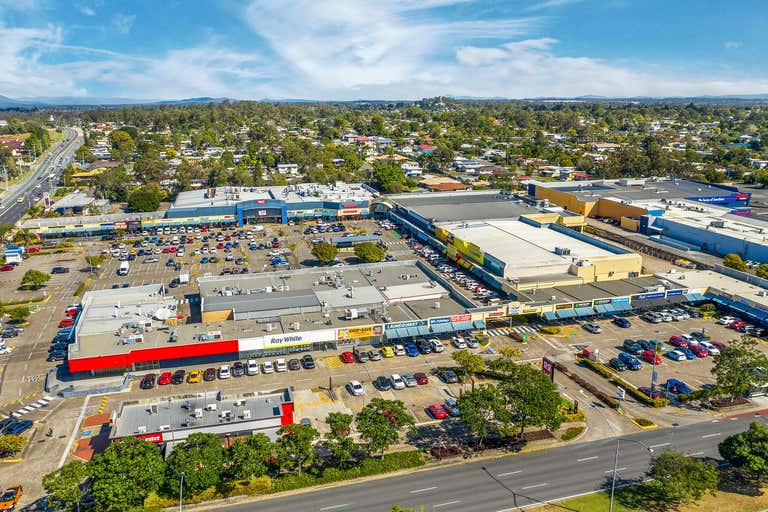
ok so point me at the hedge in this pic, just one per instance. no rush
(571, 433)
(603, 397)
(700, 394)
(632, 390)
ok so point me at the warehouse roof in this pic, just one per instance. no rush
(447, 207)
(262, 302)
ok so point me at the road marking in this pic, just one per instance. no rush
(422, 490)
(446, 503)
(711, 435)
(586, 459)
(619, 469)
(659, 445)
(510, 473)
(695, 454)
(533, 486)
(335, 506)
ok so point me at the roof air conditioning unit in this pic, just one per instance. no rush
(437, 304)
(247, 414)
(198, 412)
(142, 429)
(165, 428)
(212, 407)
(238, 403)
(270, 328)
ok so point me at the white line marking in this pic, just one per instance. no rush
(533, 486)
(711, 435)
(446, 503)
(422, 490)
(695, 454)
(586, 459)
(335, 506)
(619, 469)
(659, 445)
(510, 473)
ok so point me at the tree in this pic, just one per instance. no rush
(126, 473)
(734, 261)
(381, 422)
(11, 444)
(325, 252)
(297, 445)
(145, 199)
(531, 399)
(34, 279)
(340, 442)
(201, 459)
(369, 252)
(479, 410)
(113, 184)
(678, 479)
(748, 451)
(469, 362)
(64, 486)
(149, 167)
(762, 270)
(734, 368)
(249, 458)
(388, 176)
(19, 313)
(123, 145)
(84, 154)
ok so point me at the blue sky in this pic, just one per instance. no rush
(398, 49)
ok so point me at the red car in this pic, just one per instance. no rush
(678, 341)
(33, 249)
(738, 324)
(347, 357)
(719, 344)
(165, 379)
(172, 249)
(66, 322)
(437, 411)
(657, 393)
(650, 356)
(73, 311)
(219, 245)
(6, 268)
(699, 350)
(421, 378)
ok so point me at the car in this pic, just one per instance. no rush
(209, 374)
(700, 336)
(459, 342)
(653, 345)
(178, 377)
(411, 350)
(437, 411)
(397, 381)
(676, 355)
(194, 376)
(474, 341)
(18, 427)
(711, 348)
(55, 347)
(437, 345)
(66, 322)
(622, 322)
(60, 270)
(308, 362)
(423, 347)
(632, 347)
(630, 360)
(677, 386)
(687, 352)
(651, 357)
(387, 351)
(737, 325)
(449, 376)
(410, 380)
(678, 341)
(656, 393)
(267, 367)
(148, 381)
(224, 372)
(382, 383)
(355, 388)
(719, 344)
(165, 379)
(360, 355)
(593, 328)
(399, 349)
(689, 339)
(10, 498)
(150, 260)
(617, 364)
(347, 357)
(252, 367)
(374, 355)
(7, 268)
(294, 364)
(698, 350)
(203, 260)
(726, 320)
(238, 369)
(281, 365)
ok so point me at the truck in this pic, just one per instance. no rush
(124, 268)
(184, 277)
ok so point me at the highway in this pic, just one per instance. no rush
(512, 482)
(36, 183)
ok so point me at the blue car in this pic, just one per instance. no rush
(622, 322)
(19, 427)
(411, 349)
(687, 352)
(203, 260)
(452, 407)
(676, 355)
(630, 360)
(678, 386)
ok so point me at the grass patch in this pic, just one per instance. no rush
(551, 330)
(643, 422)
(572, 433)
(81, 289)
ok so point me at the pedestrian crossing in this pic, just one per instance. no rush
(520, 329)
(395, 242)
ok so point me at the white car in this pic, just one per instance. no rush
(5, 350)
(252, 367)
(267, 367)
(436, 345)
(355, 388)
(459, 342)
(397, 381)
(713, 350)
(726, 320)
(224, 372)
(689, 339)
(399, 349)
(281, 365)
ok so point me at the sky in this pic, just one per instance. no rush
(384, 49)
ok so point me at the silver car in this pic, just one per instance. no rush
(410, 380)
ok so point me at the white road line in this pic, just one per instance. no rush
(695, 454)
(422, 490)
(446, 503)
(586, 459)
(510, 473)
(659, 445)
(711, 435)
(335, 506)
(619, 469)
(533, 486)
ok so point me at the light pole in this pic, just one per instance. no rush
(616, 464)
(181, 489)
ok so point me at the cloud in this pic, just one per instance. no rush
(732, 45)
(122, 23)
(550, 4)
(87, 11)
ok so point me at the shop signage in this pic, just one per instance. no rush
(529, 310)
(286, 340)
(364, 331)
(583, 305)
(672, 293)
(564, 306)
(548, 367)
(495, 313)
(620, 300)
(349, 205)
(262, 213)
(261, 201)
(121, 225)
(648, 296)
(157, 437)
(440, 320)
(461, 318)
(514, 309)
(599, 302)
(415, 323)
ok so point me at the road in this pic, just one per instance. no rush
(12, 209)
(511, 482)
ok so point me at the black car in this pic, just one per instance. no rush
(294, 364)
(308, 362)
(148, 381)
(178, 377)
(617, 364)
(238, 369)
(60, 270)
(59, 355)
(632, 347)
(239, 261)
(424, 347)
(10, 332)
(382, 383)
(58, 347)
(449, 376)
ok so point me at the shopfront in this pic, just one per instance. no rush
(284, 344)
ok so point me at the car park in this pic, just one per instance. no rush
(355, 388)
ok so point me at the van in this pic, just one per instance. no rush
(252, 367)
(124, 268)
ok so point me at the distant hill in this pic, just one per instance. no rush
(67, 101)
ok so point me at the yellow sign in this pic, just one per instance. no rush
(442, 234)
(364, 331)
(469, 250)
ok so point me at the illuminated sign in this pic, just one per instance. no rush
(564, 306)
(152, 438)
(261, 201)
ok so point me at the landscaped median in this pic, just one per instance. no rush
(602, 370)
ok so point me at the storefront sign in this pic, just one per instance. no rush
(461, 318)
(493, 314)
(349, 205)
(529, 310)
(262, 213)
(599, 302)
(440, 320)
(513, 309)
(620, 300)
(415, 323)
(648, 296)
(564, 306)
(121, 225)
(152, 438)
(261, 201)
(672, 293)
(286, 340)
(583, 305)
(364, 331)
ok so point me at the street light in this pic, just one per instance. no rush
(181, 488)
(616, 463)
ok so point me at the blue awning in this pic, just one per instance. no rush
(584, 311)
(694, 297)
(462, 326)
(565, 313)
(421, 330)
(549, 316)
(622, 306)
(393, 334)
(479, 324)
(442, 328)
(604, 309)
(721, 301)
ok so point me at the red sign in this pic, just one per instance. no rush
(743, 195)
(496, 313)
(152, 438)
(349, 212)
(261, 201)
(121, 225)
(349, 205)
(461, 318)
(548, 367)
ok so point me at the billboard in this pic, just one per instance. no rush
(548, 367)
(414, 323)
(363, 331)
(286, 340)
(469, 250)
(647, 296)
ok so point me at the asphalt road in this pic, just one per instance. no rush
(511, 482)
(12, 210)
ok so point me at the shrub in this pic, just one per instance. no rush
(572, 433)
(549, 329)
(708, 307)
(597, 367)
(643, 422)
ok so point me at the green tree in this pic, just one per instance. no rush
(145, 199)
(11, 444)
(388, 176)
(381, 422)
(34, 279)
(531, 399)
(297, 446)
(748, 451)
(83, 154)
(201, 459)
(734, 368)
(369, 252)
(469, 362)
(19, 313)
(64, 486)
(123, 145)
(250, 457)
(325, 252)
(480, 410)
(125, 474)
(678, 480)
(762, 270)
(113, 184)
(149, 168)
(734, 261)
(339, 438)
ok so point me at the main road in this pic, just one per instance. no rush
(513, 482)
(22, 196)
